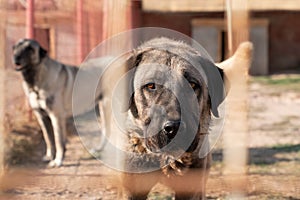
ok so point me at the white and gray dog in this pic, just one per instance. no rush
(48, 85)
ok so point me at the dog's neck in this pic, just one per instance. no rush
(29, 76)
(30, 73)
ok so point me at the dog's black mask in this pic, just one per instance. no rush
(27, 53)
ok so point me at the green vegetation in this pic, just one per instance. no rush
(277, 159)
(277, 80)
(279, 83)
(287, 148)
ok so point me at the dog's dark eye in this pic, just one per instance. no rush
(193, 85)
(150, 86)
(29, 48)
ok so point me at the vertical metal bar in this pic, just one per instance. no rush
(2, 91)
(30, 19)
(105, 19)
(117, 17)
(30, 35)
(80, 46)
(235, 136)
(229, 25)
(2, 111)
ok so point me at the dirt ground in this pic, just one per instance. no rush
(273, 170)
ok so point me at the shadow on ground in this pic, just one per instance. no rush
(266, 155)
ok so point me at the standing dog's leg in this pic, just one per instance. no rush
(103, 126)
(59, 129)
(47, 129)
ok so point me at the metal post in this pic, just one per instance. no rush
(30, 19)
(105, 20)
(229, 25)
(2, 111)
(2, 90)
(236, 129)
(29, 34)
(80, 46)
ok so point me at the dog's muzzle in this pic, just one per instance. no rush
(161, 141)
(17, 62)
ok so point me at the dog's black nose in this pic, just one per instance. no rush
(171, 128)
(17, 63)
(17, 60)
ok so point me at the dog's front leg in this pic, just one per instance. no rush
(104, 126)
(47, 130)
(59, 129)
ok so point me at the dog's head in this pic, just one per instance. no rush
(27, 53)
(174, 92)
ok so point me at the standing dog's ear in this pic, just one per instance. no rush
(42, 53)
(240, 61)
(215, 83)
(231, 69)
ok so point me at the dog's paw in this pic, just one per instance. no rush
(55, 163)
(46, 158)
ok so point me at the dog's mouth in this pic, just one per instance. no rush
(157, 142)
(19, 66)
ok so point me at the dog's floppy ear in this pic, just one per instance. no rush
(130, 65)
(215, 83)
(42, 52)
(132, 106)
(132, 60)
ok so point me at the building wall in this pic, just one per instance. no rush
(66, 44)
(284, 40)
(176, 21)
(284, 33)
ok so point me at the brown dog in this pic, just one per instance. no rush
(175, 93)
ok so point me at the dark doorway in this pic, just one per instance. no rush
(224, 46)
(42, 35)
